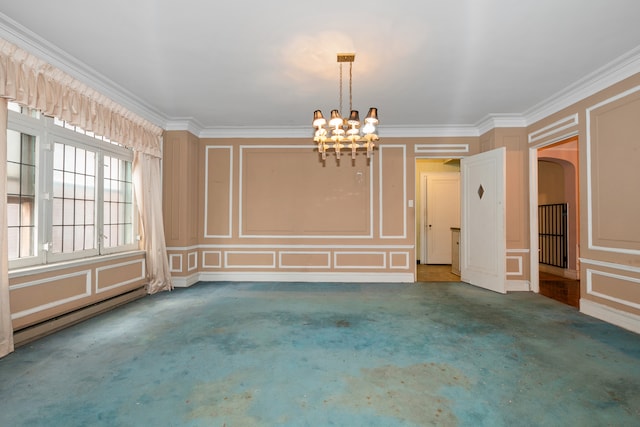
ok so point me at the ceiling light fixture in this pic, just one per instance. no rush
(342, 130)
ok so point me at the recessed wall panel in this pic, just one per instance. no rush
(288, 192)
(218, 195)
(614, 174)
(393, 189)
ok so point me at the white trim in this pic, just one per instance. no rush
(590, 290)
(328, 254)
(143, 270)
(47, 268)
(171, 257)
(205, 265)
(272, 253)
(518, 286)
(277, 246)
(440, 148)
(192, 256)
(311, 276)
(400, 267)
(553, 128)
(615, 71)
(611, 315)
(590, 179)
(612, 265)
(185, 281)
(404, 193)
(492, 121)
(87, 292)
(519, 272)
(25, 39)
(364, 267)
(206, 190)
(286, 236)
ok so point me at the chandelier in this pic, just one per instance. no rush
(345, 133)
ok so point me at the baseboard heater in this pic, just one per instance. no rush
(39, 330)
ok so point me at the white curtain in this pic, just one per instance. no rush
(33, 83)
(147, 182)
(6, 331)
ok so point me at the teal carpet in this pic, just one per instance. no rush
(301, 354)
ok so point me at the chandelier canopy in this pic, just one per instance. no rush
(345, 133)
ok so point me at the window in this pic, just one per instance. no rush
(70, 192)
(21, 194)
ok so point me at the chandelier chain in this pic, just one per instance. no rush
(350, 86)
(341, 88)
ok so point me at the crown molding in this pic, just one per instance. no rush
(492, 121)
(30, 42)
(615, 71)
(184, 123)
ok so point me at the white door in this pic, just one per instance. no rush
(442, 213)
(482, 229)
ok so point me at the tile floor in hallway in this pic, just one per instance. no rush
(311, 354)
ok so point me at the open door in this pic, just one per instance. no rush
(483, 227)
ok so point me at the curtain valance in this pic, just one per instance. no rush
(34, 83)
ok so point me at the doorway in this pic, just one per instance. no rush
(438, 206)
(556, 178)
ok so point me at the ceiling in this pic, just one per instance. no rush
(265, 66)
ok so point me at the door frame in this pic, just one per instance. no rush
(534, 284)
(421, 197)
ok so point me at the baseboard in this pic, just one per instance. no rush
(518, 286)
(185, 281)
(306, 277)
(611, 315)
(34, 332)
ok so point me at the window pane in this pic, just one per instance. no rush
(79, 212)
(56, 213)
(21, 191)
(118, 212)
(13, 146)
(67, 211)
(58, 179)
(13, 214)
(89, 237)
(28, 178)
(89, 213)
(67, 239)
(13, 238)
(28, 149)
(90, 192)
(91, 163)
(13, 178)
(27, 212)
(56, 238)
(78, 235)
(80, 187)
(69, 185)
(69, 157)
(26, 241)
(80, 161)
(58, 156)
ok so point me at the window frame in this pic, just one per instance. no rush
(47, 134)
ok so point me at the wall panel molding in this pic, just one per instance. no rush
(229, 199)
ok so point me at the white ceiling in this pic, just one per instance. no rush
(247, 64)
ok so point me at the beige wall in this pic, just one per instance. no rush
(268, 209)
(607, 128)
(42, 293)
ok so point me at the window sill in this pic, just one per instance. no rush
(45, 268)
